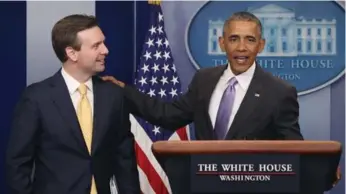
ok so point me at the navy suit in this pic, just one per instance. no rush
(46, 133)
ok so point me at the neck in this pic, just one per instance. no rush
(76, 74)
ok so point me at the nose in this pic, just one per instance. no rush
(241, 46)
(105, 50)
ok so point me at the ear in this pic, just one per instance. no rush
(262, 44)
(71, 54)
(222, 43)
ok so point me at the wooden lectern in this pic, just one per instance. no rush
(318, 162)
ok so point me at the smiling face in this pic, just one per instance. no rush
(242, 42)
(79, 43)
(91, 56)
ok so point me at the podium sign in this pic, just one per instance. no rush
(245, 173)
(277, 167)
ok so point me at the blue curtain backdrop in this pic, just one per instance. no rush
(120, 20)
(13, 66)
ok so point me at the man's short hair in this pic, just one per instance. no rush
(64, 33)
(244, 16)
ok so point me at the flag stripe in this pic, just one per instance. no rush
(145, 185)
(155, 181)
(146, 159)
(182, 132)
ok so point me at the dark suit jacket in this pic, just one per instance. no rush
(46, 131)
(270, 114)
(268, 111)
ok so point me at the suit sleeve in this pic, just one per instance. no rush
(286, 119)
(21, 146)
(170, 115)
(126, 173)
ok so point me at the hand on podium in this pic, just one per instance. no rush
(338, 176)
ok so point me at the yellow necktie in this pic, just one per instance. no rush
(86, 122)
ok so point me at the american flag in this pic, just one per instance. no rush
(157, 77)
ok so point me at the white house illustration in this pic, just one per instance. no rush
(285, 34)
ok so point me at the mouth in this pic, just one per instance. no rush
(101, 61)
(241, 59)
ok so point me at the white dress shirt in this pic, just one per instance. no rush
(73, 84)
(244, 80)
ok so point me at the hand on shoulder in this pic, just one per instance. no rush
(113, 80)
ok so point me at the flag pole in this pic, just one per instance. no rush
(154, 2)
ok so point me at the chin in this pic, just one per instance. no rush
(100, 69)
(238, 69)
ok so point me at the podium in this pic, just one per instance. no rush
(299, 167)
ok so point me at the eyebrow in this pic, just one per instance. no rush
(237, 36)
(97, 43)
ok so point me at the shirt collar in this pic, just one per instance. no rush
(73, 84)
(244, 79)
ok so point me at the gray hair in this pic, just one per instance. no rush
(244, 16)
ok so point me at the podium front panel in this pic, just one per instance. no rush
(245, 173)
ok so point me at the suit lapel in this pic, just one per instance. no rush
(63, 102)
(248, 106)
(210, 85)
(102, 105)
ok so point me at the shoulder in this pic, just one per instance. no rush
(205, 73)
(37, 89)
(208, 70)
(278, 85)
(108, 88)
(107, 84)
